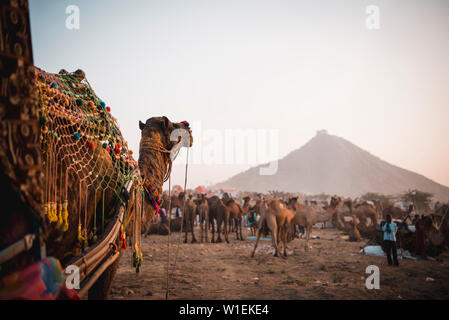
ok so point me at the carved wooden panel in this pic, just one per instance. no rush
(20, 155)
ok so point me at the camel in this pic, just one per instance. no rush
(365, 213)
(309, 215)
(220, 213)
(188, 215)
(354, 234)
(203, 210)
(276, 218)
(235, 215)
(439, 233)
(153, 165)
(395, 212)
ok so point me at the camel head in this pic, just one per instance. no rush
(168, 133)
(258, 207)
(335, 202)
(160, 141)
(226, 197)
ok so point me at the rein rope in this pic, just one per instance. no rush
(169, 231)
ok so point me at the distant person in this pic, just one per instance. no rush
(390, 228)
(420, 241)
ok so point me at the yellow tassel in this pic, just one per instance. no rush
(80, 234)
(52, 216)
(65, 215)
(59, 214)
(85, 239)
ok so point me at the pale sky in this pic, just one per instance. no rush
(292, 66)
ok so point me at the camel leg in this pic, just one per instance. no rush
(236, 229)
(207, 227)
(284, 240)
(241, 227)
(308, 232)
(219, 230)
(226, 221)
(185, 231)
(213, 231)
(193, 233)
(257, 241)
(272, 225)
(201, 229)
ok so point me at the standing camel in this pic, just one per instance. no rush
(235, 215)
(309, 215)
(276, 218)
(203, 210)
(188, 215)
(218, 212)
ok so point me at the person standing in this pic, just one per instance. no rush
(390, 228)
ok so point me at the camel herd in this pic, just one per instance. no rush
(280, 217)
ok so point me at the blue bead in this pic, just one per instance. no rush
(53, 85)
(102, 104)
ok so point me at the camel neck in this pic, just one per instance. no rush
(153, 166)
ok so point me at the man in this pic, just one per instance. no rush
(390, 228)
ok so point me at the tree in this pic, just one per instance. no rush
(377, 197)
(420, 199)
(322, 196)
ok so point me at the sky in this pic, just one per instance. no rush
(284, 69)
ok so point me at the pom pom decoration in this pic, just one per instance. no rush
(53, 85)
(91, 104)
(102, 104)
(92, 145)
(122, 237)
(118, 147)
(77, 135)
(108, 109)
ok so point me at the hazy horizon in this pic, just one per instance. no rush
(292, 66)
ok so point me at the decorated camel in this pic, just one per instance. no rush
(87, 164)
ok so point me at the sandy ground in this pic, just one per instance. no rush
(333, 269)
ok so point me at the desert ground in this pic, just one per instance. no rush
(332, 269)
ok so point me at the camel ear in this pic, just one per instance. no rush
(141, 125)
(166, 122)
